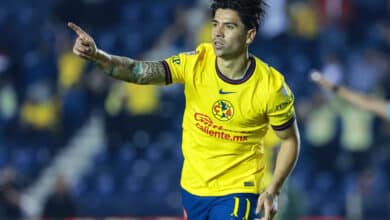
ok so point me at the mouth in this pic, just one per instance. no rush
(218, 44)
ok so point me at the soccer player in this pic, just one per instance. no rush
(377, 106)
(231, 99)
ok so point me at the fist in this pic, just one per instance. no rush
(84, 46)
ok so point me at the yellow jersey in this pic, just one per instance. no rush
(225, 121)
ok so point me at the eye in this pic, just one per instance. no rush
(230, 27)
(214, 24)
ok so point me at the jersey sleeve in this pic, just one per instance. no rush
(280, 106)
(181, 67)
(175, 68)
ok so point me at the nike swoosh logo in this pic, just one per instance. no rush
(225, 93)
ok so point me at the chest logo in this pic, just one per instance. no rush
(223, 110)
(224, 92)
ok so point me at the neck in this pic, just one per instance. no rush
(234, 68)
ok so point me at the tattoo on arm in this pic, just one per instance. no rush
(148, 72)
(138, 72)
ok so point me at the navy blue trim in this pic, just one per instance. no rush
(285, 125)
(168, 74)
(247, 75)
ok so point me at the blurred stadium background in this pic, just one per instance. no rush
(74, 142)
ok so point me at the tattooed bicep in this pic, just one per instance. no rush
(149, 72)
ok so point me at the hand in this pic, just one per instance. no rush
(267, 205)
(84, 46)
(319, 79)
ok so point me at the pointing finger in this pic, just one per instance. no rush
(77, 29)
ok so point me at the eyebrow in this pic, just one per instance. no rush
(225, 23)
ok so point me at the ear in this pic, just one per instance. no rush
(250, 36)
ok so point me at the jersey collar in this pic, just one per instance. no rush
(247, 75)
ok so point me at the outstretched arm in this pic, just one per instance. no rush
(368, 103)
(122, 68)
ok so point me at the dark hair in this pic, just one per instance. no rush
(251, 12)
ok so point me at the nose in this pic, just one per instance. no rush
(218, 31)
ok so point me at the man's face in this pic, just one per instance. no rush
(230, 36)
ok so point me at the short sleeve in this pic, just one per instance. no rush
(174, 67)
(181, 67)
(280, 106)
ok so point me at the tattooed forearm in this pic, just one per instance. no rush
(126, 69)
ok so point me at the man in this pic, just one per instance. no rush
(371, 104)
(231, 99)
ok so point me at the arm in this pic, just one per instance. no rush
(286, 159)
(368, 103)
(122, 68)
(285, 162)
